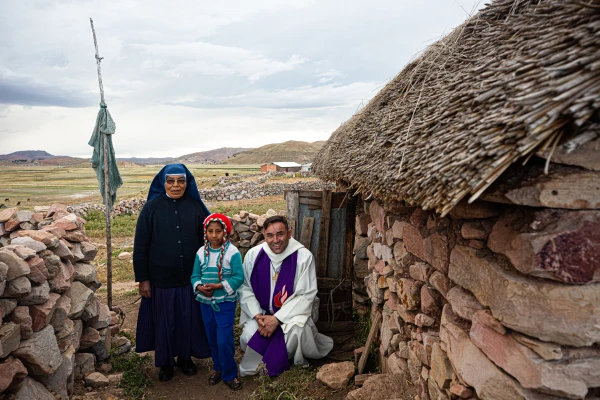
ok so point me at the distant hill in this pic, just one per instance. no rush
(146, 160)
(216, 156)
(39, 157)
(296, 151)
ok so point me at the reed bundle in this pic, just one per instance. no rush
(520, 76)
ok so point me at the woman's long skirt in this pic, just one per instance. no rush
(170, 323)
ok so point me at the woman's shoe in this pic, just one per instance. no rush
(187, 366)
(166, 373)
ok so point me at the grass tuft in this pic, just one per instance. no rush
(290, 385)
(123, 225)
(135, 381)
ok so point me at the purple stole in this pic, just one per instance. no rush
(272, 348)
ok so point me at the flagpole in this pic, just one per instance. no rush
(106, 186)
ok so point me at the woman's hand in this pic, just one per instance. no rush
(144, 289)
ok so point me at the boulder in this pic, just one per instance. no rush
(360, 246)
(96, 380)
(103, 319)
(362, 224)
(474, 368)
(61, 381)
(84, 364)
(440, 282)
(91, 311)
(472, 230)
(463, 303)
(85, 273)
(77, 254)
(436, 252)
(74, 237)
(419, 271)
(40, 353)
(423, 320)
(3, 271)
(441, 369)
(7, 213)
(430, 301)
(16, 265)
(66, 336)
(413, 241)
(89, 338)
(547, 251)
(62, 310)
(68, 222)
(10, 337)
(21, 317)
(382, 386)
(63, 251)
(39, 294)
(7, 306)
(125, 255)
(550, 311)
(89, 251)
(396, 365)
(80, 298)
(33, 390)
(29, 242)
(568, 378)
(39, 272)
(17, 288)
(336, 375)
(52, 262)
(62, 281)
(12, 373)
(546, 350)
(41, 314)
(476, 210)
(41, 236)
(409, 292)
(78, 332)
(377, 214)
(22, 251)
(382, 252)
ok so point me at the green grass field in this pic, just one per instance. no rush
(74, 185)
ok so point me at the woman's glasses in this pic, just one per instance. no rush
(180, 182)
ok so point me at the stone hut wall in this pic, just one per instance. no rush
(493, 301)
(53, 326)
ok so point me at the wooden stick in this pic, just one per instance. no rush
(370, 338)
(106, 188)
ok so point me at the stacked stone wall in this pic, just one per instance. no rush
(227, 189)
(494, 301)
(54, 328)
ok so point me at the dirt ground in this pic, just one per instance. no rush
(197, 387)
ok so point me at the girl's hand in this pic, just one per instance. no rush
(202, 289)
(213, 286)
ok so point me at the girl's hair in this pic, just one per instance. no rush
(224, 246)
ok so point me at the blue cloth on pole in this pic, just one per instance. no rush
(105, 126)
(170, 323)
(158, 183)
(219, 330)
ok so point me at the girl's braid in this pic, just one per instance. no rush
(224, 245)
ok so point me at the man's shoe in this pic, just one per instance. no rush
(166, 373)
(187, 366)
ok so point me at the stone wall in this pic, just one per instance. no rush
(53, 326)
(495, 301)
(227, 189)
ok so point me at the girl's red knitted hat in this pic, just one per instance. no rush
(223, 219)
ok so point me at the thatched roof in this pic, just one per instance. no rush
(518, 77)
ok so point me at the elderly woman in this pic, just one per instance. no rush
(168, 234)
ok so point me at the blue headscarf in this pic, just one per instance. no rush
(158, 183)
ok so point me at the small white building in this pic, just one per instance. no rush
(281, 166)
(306, 167)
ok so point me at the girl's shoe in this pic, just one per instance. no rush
(214, 378)
(166, 373)
(234, 384)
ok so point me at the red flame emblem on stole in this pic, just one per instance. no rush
(280, 297)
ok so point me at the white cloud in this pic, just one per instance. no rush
(202, 74)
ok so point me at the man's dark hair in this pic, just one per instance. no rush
(274, 219)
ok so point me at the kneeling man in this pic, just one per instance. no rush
(279, 304)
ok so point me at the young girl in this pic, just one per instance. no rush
(218, 273)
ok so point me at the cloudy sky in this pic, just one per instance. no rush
(183, 75)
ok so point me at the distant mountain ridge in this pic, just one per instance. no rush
(292, 150)
(297, 151)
